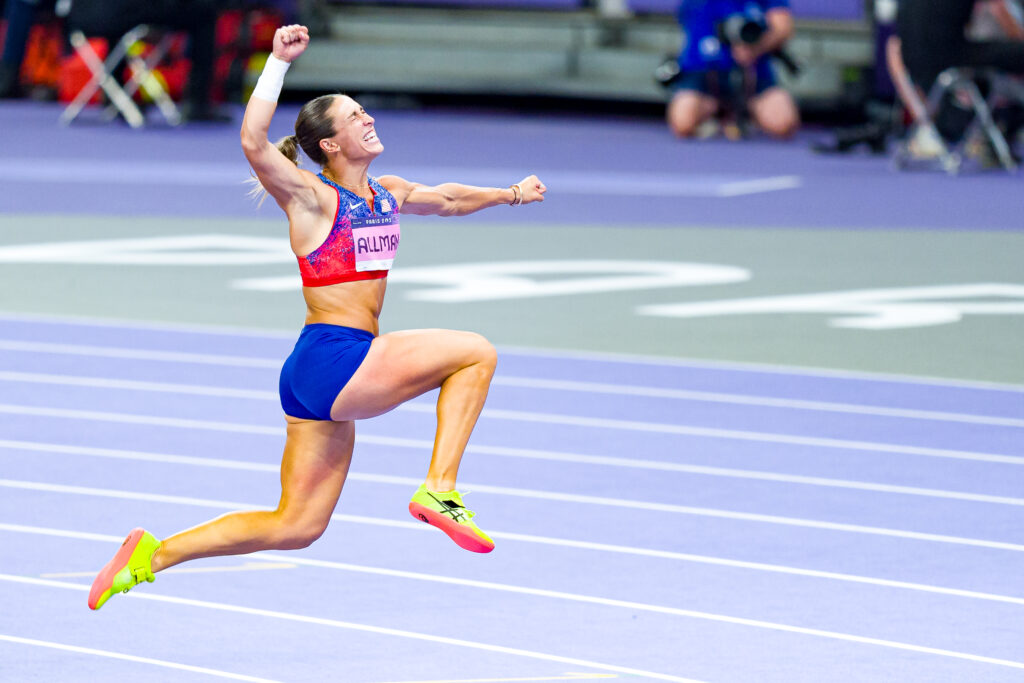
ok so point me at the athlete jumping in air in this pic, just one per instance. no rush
(344, 229)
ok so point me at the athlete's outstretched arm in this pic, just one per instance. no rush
(455, 199)
(279, 176)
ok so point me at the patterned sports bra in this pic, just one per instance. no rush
(362, 242)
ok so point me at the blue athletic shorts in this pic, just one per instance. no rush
(323, 361)
(718, 84)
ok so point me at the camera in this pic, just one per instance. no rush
(741, 28)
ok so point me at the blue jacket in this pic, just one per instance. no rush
(699, 19)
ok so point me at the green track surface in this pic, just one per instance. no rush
(782, 262)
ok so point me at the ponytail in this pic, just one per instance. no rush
(289, 147)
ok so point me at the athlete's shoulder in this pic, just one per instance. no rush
(398, 187)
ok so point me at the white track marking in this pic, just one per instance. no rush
(244, 567)
(734, 434)
(379, 630)
(663, 507)
(738, 188)
(532, 383)
(759, 368)
(131, 658)
(752, 400)
(139, 354)
(755, 475)
(569, 420)
(739, 621)
(702, 512)
(136, 385)
(598, 547)
(567, 677)
(601, 356)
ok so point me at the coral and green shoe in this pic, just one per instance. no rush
(444, 509)
(130, 566)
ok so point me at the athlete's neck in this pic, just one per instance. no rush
(352, 179)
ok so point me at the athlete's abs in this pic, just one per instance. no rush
(350, 304)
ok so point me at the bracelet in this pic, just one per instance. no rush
(268, 87)
(517, 195)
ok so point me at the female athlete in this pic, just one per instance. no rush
(344, 229)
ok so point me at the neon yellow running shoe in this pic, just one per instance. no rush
(129, 568)
(444, 509)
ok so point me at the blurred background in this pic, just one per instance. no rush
(586, 54)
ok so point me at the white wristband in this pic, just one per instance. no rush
(268, 87)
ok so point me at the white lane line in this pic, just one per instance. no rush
(139, 354)
(244, 567)
(42, 319)
(672, 508)
(591, 500)
(137, 385)
(658, 465)
(696, 559)
(361, 439)
(761, 368)
(701, 512)
(567, 420)
(570, 676)
(707, 616)
(130, 658)
(732, 434)
(752, 400)
(534, 383)
(573, 354)
(155, 420)
(738, 188)
(367, 628)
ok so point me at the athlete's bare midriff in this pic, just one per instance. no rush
(350, 304)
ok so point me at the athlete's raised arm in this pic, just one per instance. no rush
(280, 177)
(455, 199)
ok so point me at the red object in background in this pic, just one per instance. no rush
(262, 26)
(176, 76)
(41, 65)
(75, 75)
(239, 35)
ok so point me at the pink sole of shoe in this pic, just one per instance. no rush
(463, 537)
(105, 578)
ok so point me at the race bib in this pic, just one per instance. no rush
(375, 241)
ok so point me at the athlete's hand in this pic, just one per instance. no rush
(533, 189)
(290, 42)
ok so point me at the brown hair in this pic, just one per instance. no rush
(313, 124)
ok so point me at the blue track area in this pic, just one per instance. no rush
(654, 520)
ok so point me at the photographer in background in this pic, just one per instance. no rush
(725, 65)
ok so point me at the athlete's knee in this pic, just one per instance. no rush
(297, 532)
(683, 124)
(486, 356)
(777, 114)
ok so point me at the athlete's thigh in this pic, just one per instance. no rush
(403, 365)
(317, 455)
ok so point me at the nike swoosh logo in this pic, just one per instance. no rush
(353, 207)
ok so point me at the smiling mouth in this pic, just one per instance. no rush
(370, 137)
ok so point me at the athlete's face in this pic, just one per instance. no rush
(356, 135)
